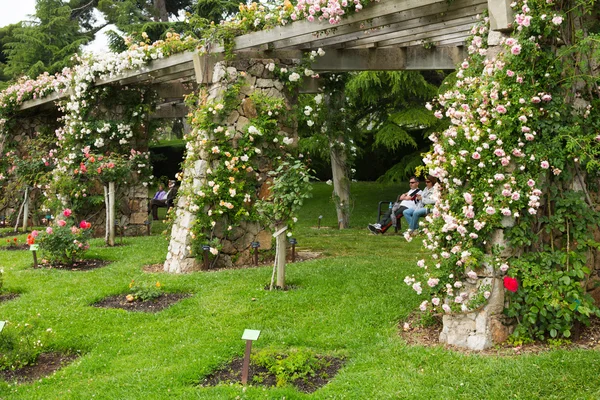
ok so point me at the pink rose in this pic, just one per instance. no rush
(49, 230)
(61, 222)
(67, 212)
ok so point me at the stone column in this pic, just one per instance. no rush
(236, 244)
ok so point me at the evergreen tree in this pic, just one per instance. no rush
(389, 107)
(45, 44)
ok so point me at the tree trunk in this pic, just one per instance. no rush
(161, 9)
(341, 186)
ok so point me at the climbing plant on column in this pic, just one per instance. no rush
(513, 158)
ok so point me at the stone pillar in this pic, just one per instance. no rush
(236, 244)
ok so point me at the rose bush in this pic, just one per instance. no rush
(66, 241)
(517, 141)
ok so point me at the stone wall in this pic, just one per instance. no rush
(131, 204)
(236, 244)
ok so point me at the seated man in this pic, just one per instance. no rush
(404, 202)
(425, 202)
(160, 193)
(166, 201)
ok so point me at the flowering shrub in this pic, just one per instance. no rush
(66, 241)
(508, 161)
(144, 291)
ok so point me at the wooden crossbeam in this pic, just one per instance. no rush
(300, 28)
(425, 26)
(385, 24)
(429, 37)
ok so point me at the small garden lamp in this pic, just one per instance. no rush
(293, 242)
(255, 246)
(147, 223)
(205, 249)
(320, 218)
(3, 221)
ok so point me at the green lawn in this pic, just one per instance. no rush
(347, 303)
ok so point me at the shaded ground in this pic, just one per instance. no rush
(80, 265)
(300, 257)
(260, 376)
(120, 301)
(585, 337)
(47, 364)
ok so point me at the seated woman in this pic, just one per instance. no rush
(425, 203)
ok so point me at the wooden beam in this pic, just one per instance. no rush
(173, 90)
(389, 59)
(427, 26)
(386, 24)
(300, 28)
(463, 31)
(170, 110)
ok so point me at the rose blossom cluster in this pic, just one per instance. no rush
(486, 162)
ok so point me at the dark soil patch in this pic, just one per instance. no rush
(267, 260)
(46, 364)
(8, 296)
(81, 265)
(12, 233)
(154, 268)
(284, 289)
(13, 247)
(584, 337)
(260, 376)
(120, 301)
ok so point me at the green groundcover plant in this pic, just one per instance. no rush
(22, 343)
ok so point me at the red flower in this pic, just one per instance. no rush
(67, 212)
(511, 284)
(30, 240)
(85, 225)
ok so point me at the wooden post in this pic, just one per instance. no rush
(25, 209)
(280, 241)
(246, 363)
(35, 263)
(111, 213)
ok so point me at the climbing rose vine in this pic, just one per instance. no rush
(506, 165)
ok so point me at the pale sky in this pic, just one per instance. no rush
(13, 11)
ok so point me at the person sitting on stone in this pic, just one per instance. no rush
(425, 202)
(167, 201)
(405, 201)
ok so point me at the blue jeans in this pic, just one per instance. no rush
(412, 216)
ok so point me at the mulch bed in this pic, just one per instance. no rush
(81, 265)
(300, 257)
(584, 337)
(8, 296)
(12, 247)
(152, 306)
(232, 373)
(46, 364)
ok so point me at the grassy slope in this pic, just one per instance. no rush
(348, 303)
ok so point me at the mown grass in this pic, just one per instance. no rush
(347, 303)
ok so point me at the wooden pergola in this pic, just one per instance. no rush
(388, 35)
